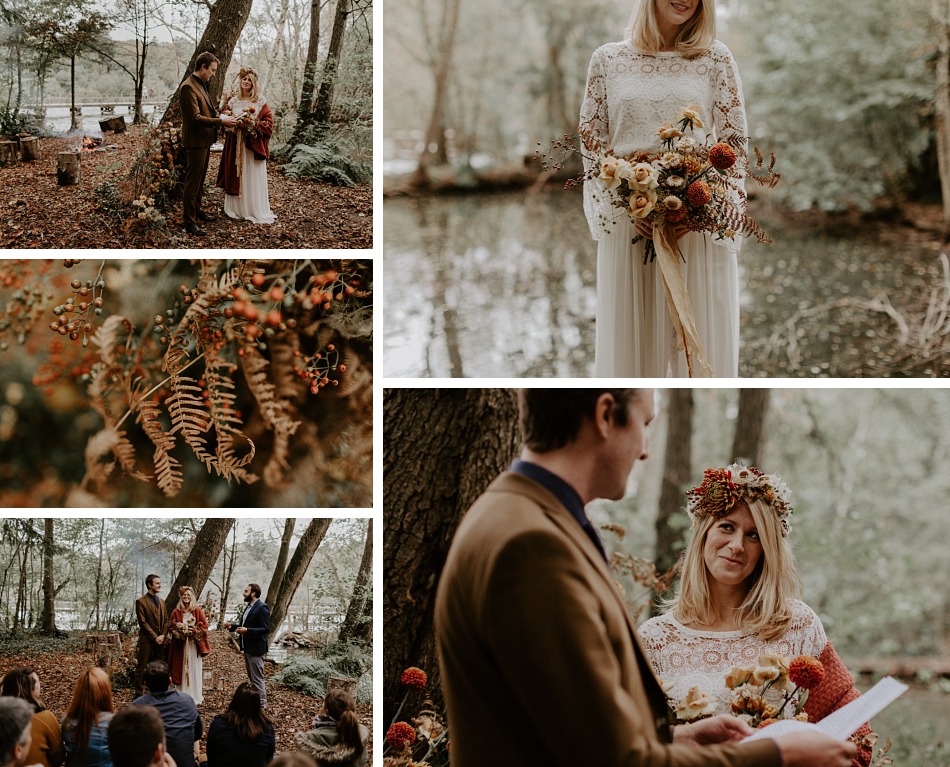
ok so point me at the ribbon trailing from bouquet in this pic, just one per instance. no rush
(677, 300)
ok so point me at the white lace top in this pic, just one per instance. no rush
(631, 94)
(682, 657)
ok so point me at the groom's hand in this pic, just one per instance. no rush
(718, 729)
(228, 120)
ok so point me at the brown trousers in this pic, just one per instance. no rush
(196, 168)
(146, 652)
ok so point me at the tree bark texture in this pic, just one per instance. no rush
(324, 105)
(309, 86)
(750, 427)
(358, 623)
(204, 553)
(48, 620)
(942, 103)
(441, 449)
(671, 531)
(309, 543)
(227, 564)
(225, 25)
(282, 555)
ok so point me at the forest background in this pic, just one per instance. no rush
(865, 470)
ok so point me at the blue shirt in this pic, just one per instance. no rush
(566, 495)
(182, 723)
(97, 752)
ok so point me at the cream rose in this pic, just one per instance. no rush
(667, 132)
(694, 705)
(645, 176)
(608, 172)
(691, 114)
(738, 676)
(641, 204)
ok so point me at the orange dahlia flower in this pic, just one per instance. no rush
(414, 678)
(806, 672)
(699, 193)
(722, 156)
(400, 735)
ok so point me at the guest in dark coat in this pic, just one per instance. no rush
(243, 736)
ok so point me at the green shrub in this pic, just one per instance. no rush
(14, 123)
(341, 157)
(310, 675)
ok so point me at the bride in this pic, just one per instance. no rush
(243, 169)
(188, 629)
(670, 60)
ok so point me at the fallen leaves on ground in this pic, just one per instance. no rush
(290, 710)
(35, 212)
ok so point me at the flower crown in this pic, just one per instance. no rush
(722, 488)
(244, 71)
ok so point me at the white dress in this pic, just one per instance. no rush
(629, 96)
(253, 204)
(682, 657)
(191, 667)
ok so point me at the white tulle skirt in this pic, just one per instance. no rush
(192, 672)
(635, 337)
(253, 203)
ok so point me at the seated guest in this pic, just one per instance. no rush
(87, 721)
(137, 738)
(47, 739)
(243, 736)
(178, 711)
(337, 739)
(16, 715)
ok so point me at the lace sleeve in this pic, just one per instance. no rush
(729, 116)
(594, 135)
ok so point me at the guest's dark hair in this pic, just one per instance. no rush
(157, 676)
(341, 706)
(148, 580)
(19, 684)
(134, 734)
(245, 714)
(255, 589)
(15, 717)
(551, 418)
(205, 59)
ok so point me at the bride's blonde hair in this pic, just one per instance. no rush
(194, 599)
(766, 610)
(255, 83)
(693, 39)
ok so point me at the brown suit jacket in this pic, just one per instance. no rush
(540, 660)
(151, 620)
(199, 118)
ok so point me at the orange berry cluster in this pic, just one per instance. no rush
(72, 316)
(317, 369)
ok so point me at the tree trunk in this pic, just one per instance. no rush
(321, 112)
(48, 621)
(75, 120)
(204, 553)
(139, 117)
(19, 610)
(305, 108)
(299, 562)
(225, 25)
(227, 565)
(102, 531)
(442, 447)
(942, 103)
(677, 472)
(358, 624)
(434, 147)
(282, 555)
(750, 427)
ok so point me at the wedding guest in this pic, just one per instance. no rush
(252, 631)
(336, 737)
(16, 716)
(528, 612)
(243, 736)
(178, 711)
(187, 638)
(137, 738)
(738, 600)
(86, 723)
(46, 748)
(152, 615)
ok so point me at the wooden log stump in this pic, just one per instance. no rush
(29, 148)
(344, 683)
(104, 655)
(115, 124)
(91, 643)
(68, 169)
(8, 152)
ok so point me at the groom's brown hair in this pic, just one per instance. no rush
(205, 59)
(551, 418)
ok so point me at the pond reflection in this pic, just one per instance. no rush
(504, 286)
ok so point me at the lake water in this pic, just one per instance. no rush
(57, 119)
(503, 285)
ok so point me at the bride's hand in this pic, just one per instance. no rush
(718, 729)
(644, 228)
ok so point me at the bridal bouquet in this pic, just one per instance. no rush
(187, 630)
(686, 183)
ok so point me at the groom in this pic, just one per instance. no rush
(199, 130)
(253, 630)
(540, 658)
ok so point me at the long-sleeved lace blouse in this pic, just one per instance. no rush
(631, 94)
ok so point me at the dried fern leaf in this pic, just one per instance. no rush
(167, 472)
